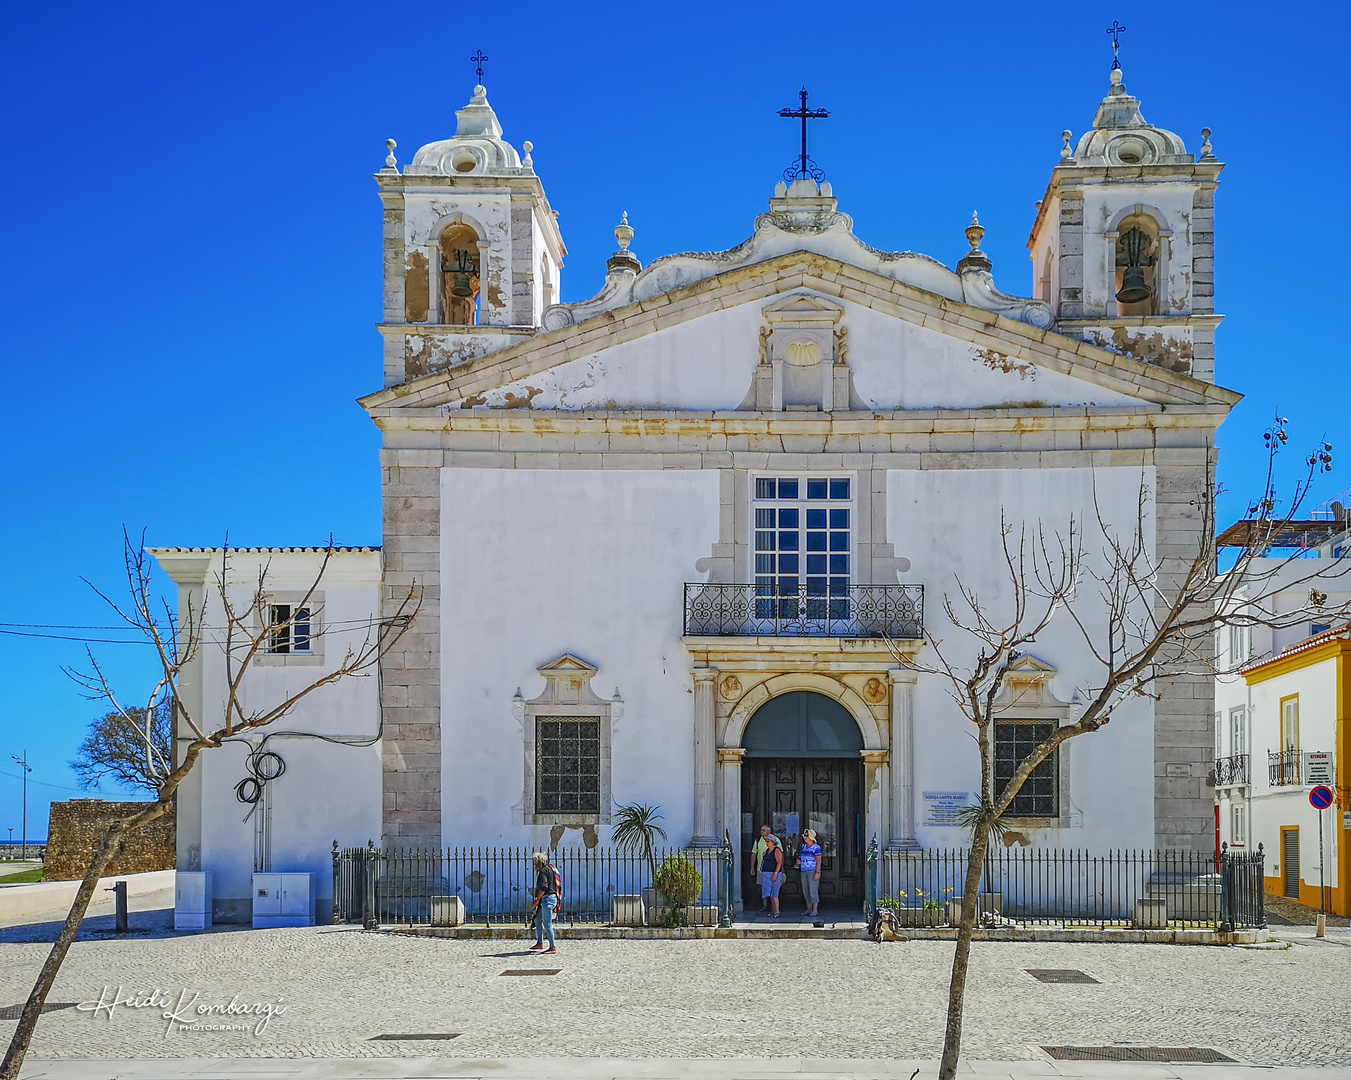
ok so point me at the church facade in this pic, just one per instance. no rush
(683, 543)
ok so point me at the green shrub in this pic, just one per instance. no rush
(678, 881)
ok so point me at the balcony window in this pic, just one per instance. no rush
(803, 548)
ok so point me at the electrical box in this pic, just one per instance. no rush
(192, 900)
(283, 900)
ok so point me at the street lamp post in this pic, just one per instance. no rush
(23, 764)
(10, 850)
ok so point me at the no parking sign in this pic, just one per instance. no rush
(1321, 797)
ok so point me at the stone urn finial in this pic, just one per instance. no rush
(974, 232)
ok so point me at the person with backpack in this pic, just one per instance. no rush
(548, 900)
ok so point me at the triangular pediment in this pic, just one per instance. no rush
(567, 664)
(800, 285)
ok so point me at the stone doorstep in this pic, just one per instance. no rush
(645, 933)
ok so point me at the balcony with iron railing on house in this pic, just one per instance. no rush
(1283, 768)
(770, 610)
(1231, 771)
(1294, 768)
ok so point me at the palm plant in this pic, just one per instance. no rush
(636, 829)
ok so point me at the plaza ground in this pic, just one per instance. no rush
(1280, 1004)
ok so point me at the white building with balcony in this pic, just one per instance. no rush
(1283, 715)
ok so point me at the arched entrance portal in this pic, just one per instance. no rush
(803, 770)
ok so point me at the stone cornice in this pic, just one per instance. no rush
(794, 654)
(1105, 418)
(818, 274)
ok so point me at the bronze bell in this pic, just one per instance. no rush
(461, 287)
(1134, 288)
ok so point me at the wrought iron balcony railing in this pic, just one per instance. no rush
(858, 611)
(1283, 768)
(1231, 770)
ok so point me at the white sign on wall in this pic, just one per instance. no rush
(944, 807)
(1318, 768)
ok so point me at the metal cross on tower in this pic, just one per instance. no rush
(1116, 30)
(804, 166)
(479, 59)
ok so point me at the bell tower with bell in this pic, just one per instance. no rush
(1124, 243)
(473, 253)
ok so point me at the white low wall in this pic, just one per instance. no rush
(48, 901)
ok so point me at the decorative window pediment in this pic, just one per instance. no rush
(566, 733)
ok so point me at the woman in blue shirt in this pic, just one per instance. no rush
(809, 862)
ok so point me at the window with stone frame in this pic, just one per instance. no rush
(1014, 740)
(803, 547)
(567, 765)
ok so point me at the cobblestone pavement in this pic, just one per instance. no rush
(1284, 1004)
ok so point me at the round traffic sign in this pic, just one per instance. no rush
(1321, 797)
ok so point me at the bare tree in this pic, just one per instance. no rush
(245, 633)
(116, 747)
(1144, 619)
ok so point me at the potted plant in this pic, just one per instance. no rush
(680, 882)
(636, 829)
(925, 911)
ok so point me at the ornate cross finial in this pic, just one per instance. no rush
(804, 165)
(1116, 30)
(479, 59)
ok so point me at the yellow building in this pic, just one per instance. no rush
(1299, 710)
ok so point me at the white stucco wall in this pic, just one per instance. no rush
(536, 563)
(328, 792)
(708, 364)
(947, 524)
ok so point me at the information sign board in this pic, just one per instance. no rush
(944, 808)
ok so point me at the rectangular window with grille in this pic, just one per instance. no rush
(803, 548)
(567, 765)
(1013, 741)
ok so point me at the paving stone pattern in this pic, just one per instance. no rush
(343, 986)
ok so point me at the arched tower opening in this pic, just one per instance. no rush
(459, 246)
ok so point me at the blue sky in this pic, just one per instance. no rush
(190, 239)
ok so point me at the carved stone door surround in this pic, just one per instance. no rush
(734, 677)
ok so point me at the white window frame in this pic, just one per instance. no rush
(803, 504)
(1238, 825)
(264, 617)
(1238, 730)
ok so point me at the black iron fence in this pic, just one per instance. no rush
(1231, 770)
(770, 610)
(489, 885)
(1064, 887)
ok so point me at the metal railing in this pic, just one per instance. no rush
(1067, 887)
(1283, 768)
(403, 887)
(1231, 770)
(858, 611)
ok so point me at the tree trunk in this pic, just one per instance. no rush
(966, 926)
(28, 1019)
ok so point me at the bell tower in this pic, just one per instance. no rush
(473, 254)
(1123, 247)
